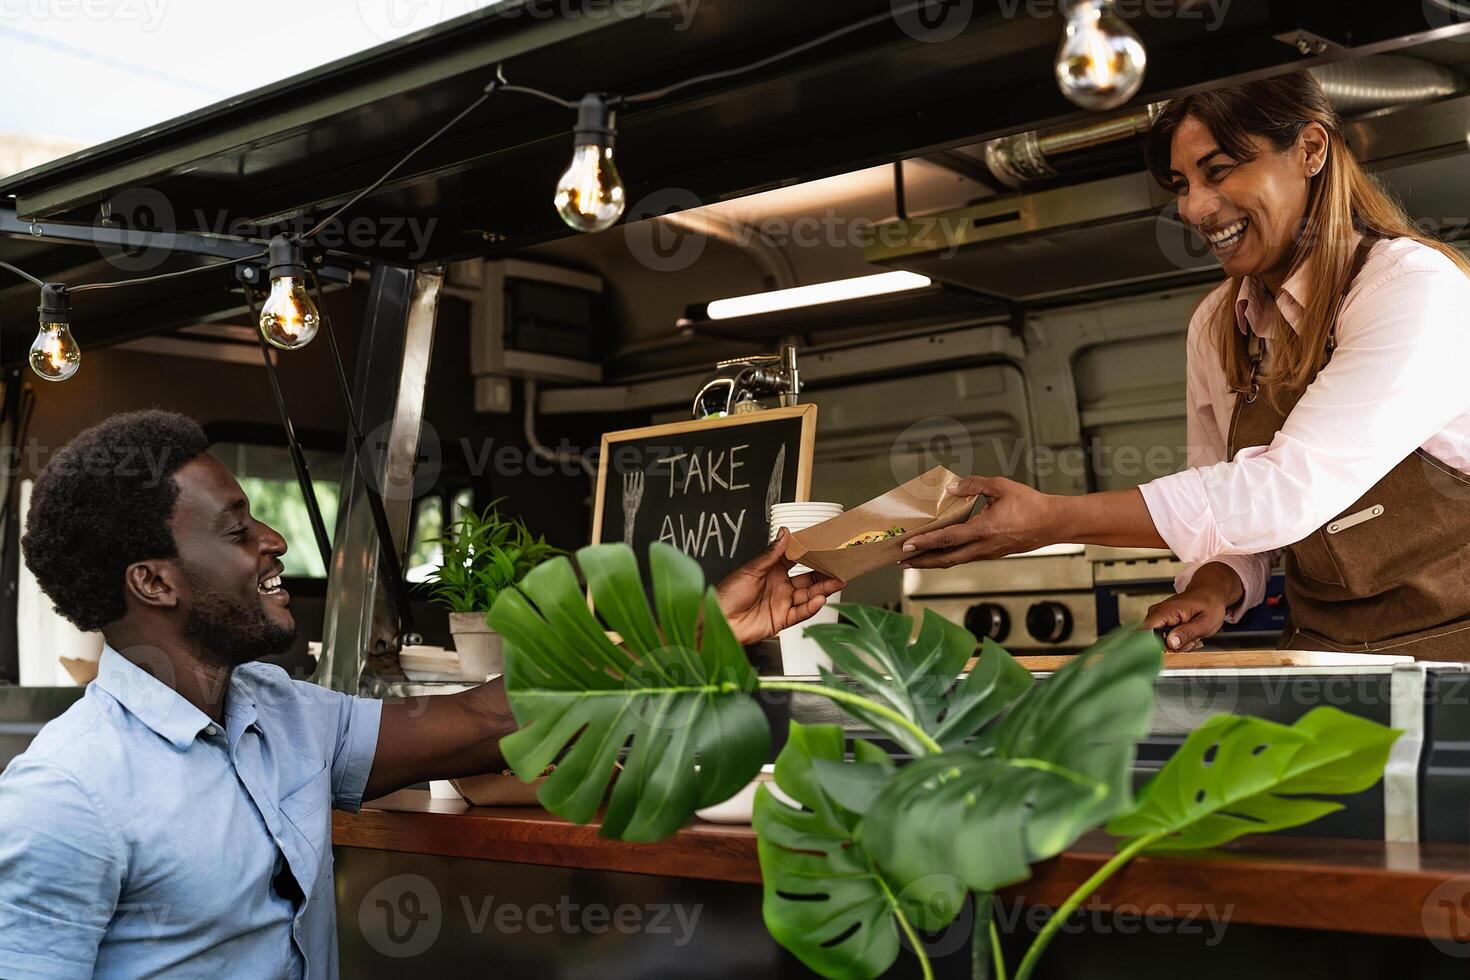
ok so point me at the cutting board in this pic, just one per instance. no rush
(1240, 660)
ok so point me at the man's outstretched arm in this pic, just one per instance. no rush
(447, 736)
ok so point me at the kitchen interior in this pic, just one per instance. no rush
(1040, 337)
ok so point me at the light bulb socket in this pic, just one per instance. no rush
(55, 304)
(595, 122)
(285, 258)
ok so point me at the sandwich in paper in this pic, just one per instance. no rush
(871, 536)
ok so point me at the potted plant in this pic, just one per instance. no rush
(482, 555)
(1005, 772)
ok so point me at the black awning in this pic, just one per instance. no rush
(295, 148)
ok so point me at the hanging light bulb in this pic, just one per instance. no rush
(289, 319)
(55, 355)
(1101, 60)
(589, 195)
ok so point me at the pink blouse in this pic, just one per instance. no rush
(1398, 380)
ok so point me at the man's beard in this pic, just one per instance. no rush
(231, 632)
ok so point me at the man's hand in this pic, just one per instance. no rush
(1015, 519)
(1197, 613)
(760, 599)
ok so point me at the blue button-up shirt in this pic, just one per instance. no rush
(139, 838)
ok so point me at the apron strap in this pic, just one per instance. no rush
(1256, 345)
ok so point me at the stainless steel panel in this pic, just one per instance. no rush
(1007, 575)
(389, 394)
(1018, 641)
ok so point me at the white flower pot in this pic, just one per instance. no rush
(479, 647)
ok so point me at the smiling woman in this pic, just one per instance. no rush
(1264, 174)
(1327, 412)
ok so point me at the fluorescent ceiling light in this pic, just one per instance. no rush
(822, 292)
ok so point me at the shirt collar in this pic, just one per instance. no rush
(1256, 311)
(149, 700)
(240, 710)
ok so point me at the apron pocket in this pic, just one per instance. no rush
(1314, 559)
(1373, 547)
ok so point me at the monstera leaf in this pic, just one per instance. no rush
(1056, 766)
(1087, 719)
(1236, 776)
(826, 900)
(974, 816)
(679, 689)
(919, 680)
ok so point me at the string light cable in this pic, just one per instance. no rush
(589, 195)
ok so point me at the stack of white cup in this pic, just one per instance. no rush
(800, 655)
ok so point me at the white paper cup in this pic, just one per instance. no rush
(800, 654)
(782, 514)
(740, 807)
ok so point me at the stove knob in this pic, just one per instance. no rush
(1049, 622)
(988, 621)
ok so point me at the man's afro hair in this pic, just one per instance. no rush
(101, 504)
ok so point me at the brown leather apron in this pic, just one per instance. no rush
(1391, 573)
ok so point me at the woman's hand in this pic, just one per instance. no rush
(759, 599)
(1191, 617)
(1015, 519)
(1197, 613)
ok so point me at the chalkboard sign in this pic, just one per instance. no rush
(705, 487)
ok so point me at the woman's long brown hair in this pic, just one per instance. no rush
(1342, 200)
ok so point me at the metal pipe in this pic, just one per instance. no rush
(1032, 157)
(1365, 84)
(546, 452)
(1353, 87)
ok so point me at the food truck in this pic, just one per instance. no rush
(842, 245)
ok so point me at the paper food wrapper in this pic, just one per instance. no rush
(920, 505)
(494, 789)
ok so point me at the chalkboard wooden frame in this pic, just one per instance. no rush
(672, 430)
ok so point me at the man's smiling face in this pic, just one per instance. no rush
(233, 603)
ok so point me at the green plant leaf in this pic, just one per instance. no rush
(825, 899)
(1087, 718)
(669, 702)
(975, 817)
(1055, 766)
(483, 554)
(918, 680)
(1237, 775)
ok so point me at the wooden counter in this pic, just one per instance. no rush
(1298, 882)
